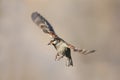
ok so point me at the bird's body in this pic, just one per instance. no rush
(62, 50)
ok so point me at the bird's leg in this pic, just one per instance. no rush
(60, 56)
(56, 56)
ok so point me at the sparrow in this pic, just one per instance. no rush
(62, 47)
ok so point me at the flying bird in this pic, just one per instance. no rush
(63, 48)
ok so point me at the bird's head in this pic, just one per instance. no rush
(55, 41)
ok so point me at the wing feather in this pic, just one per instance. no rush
(40, 21)
(47, 28)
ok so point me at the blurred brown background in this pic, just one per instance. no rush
(90, 24)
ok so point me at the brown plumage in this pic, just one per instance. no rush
(63, 48)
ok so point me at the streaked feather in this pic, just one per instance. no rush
(63, 48)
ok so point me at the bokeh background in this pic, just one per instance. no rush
(90, 24)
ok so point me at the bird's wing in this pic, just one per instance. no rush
(41, 22)
(47, 28)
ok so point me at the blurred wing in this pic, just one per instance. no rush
(47, 28)
(83, 51)
(43, 24)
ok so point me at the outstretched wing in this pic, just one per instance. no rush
(48, 29)
(41, 22)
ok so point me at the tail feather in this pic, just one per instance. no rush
(69, 62)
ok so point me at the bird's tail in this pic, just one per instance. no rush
(69, 62)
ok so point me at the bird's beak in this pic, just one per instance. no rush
(49, 43)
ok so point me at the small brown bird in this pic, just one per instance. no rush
(63, 48)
